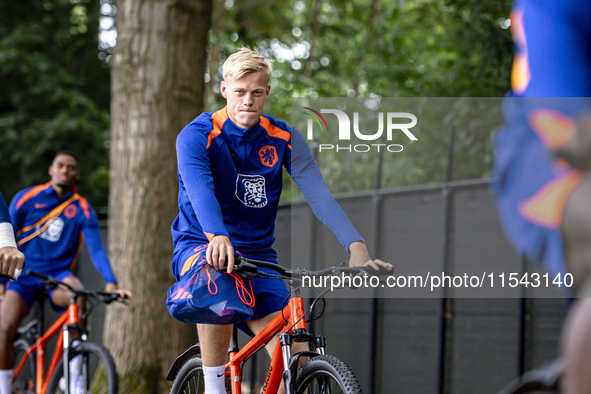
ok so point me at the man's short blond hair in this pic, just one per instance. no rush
(246, 61)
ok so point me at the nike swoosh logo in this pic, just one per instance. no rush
(37, 205)
(219, 376)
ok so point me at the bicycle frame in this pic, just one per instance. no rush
(64, 322)
(294, 314)
(290, 323)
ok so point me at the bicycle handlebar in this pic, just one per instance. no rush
(52, 283)
(5, 276)
(248, 268)
(102, 296)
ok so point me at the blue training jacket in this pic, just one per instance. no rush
(553, 48)
(50, 232)
(230, 181)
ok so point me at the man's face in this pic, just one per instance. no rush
(246, 98)
(64, 171)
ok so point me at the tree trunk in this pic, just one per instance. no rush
(157, 88)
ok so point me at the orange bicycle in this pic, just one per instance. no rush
(320, 374)
(92, 358)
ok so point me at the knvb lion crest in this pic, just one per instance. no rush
(250, 190)
(268, 156)
(53, 231)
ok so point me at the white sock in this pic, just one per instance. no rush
(214, 379)
(6, 381)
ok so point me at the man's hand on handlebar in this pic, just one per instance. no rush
(11, 260)
(218, 250)
(114, 288)
(360, 257)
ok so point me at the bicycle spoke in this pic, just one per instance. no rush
(193, 385)
(326, 375)
(85, 373)
(325, 386)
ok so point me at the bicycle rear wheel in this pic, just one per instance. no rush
(190, 378)
(25, 381)
(97, 370)
(326, 375)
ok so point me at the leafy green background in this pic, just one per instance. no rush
(55, 76)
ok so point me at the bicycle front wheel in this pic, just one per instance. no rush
(24, 383)
(190, 378)
(96, 371)
(326, 375)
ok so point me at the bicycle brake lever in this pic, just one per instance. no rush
(118, 298)
(382, 271)
(246, 270)
(106, 297)
(50, 285)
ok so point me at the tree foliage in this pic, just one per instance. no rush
(55, 93)
(388, 48)
(56, 81)
(378, 48)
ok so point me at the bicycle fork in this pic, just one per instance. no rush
(298, 334)
(72, 325)
(290, 364)
(66, 358)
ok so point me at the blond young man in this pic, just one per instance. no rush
(230, 165)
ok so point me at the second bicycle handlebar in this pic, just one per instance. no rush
(52, 283)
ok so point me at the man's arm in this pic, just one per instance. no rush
(11, 259)
(307, 176)
(195, 171)
(92, 237)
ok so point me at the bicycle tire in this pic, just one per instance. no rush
(530, 387)
(323, 372)
(545, 379)
(96, 360)
(25, 381)
(535, 388)
(190, 378)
